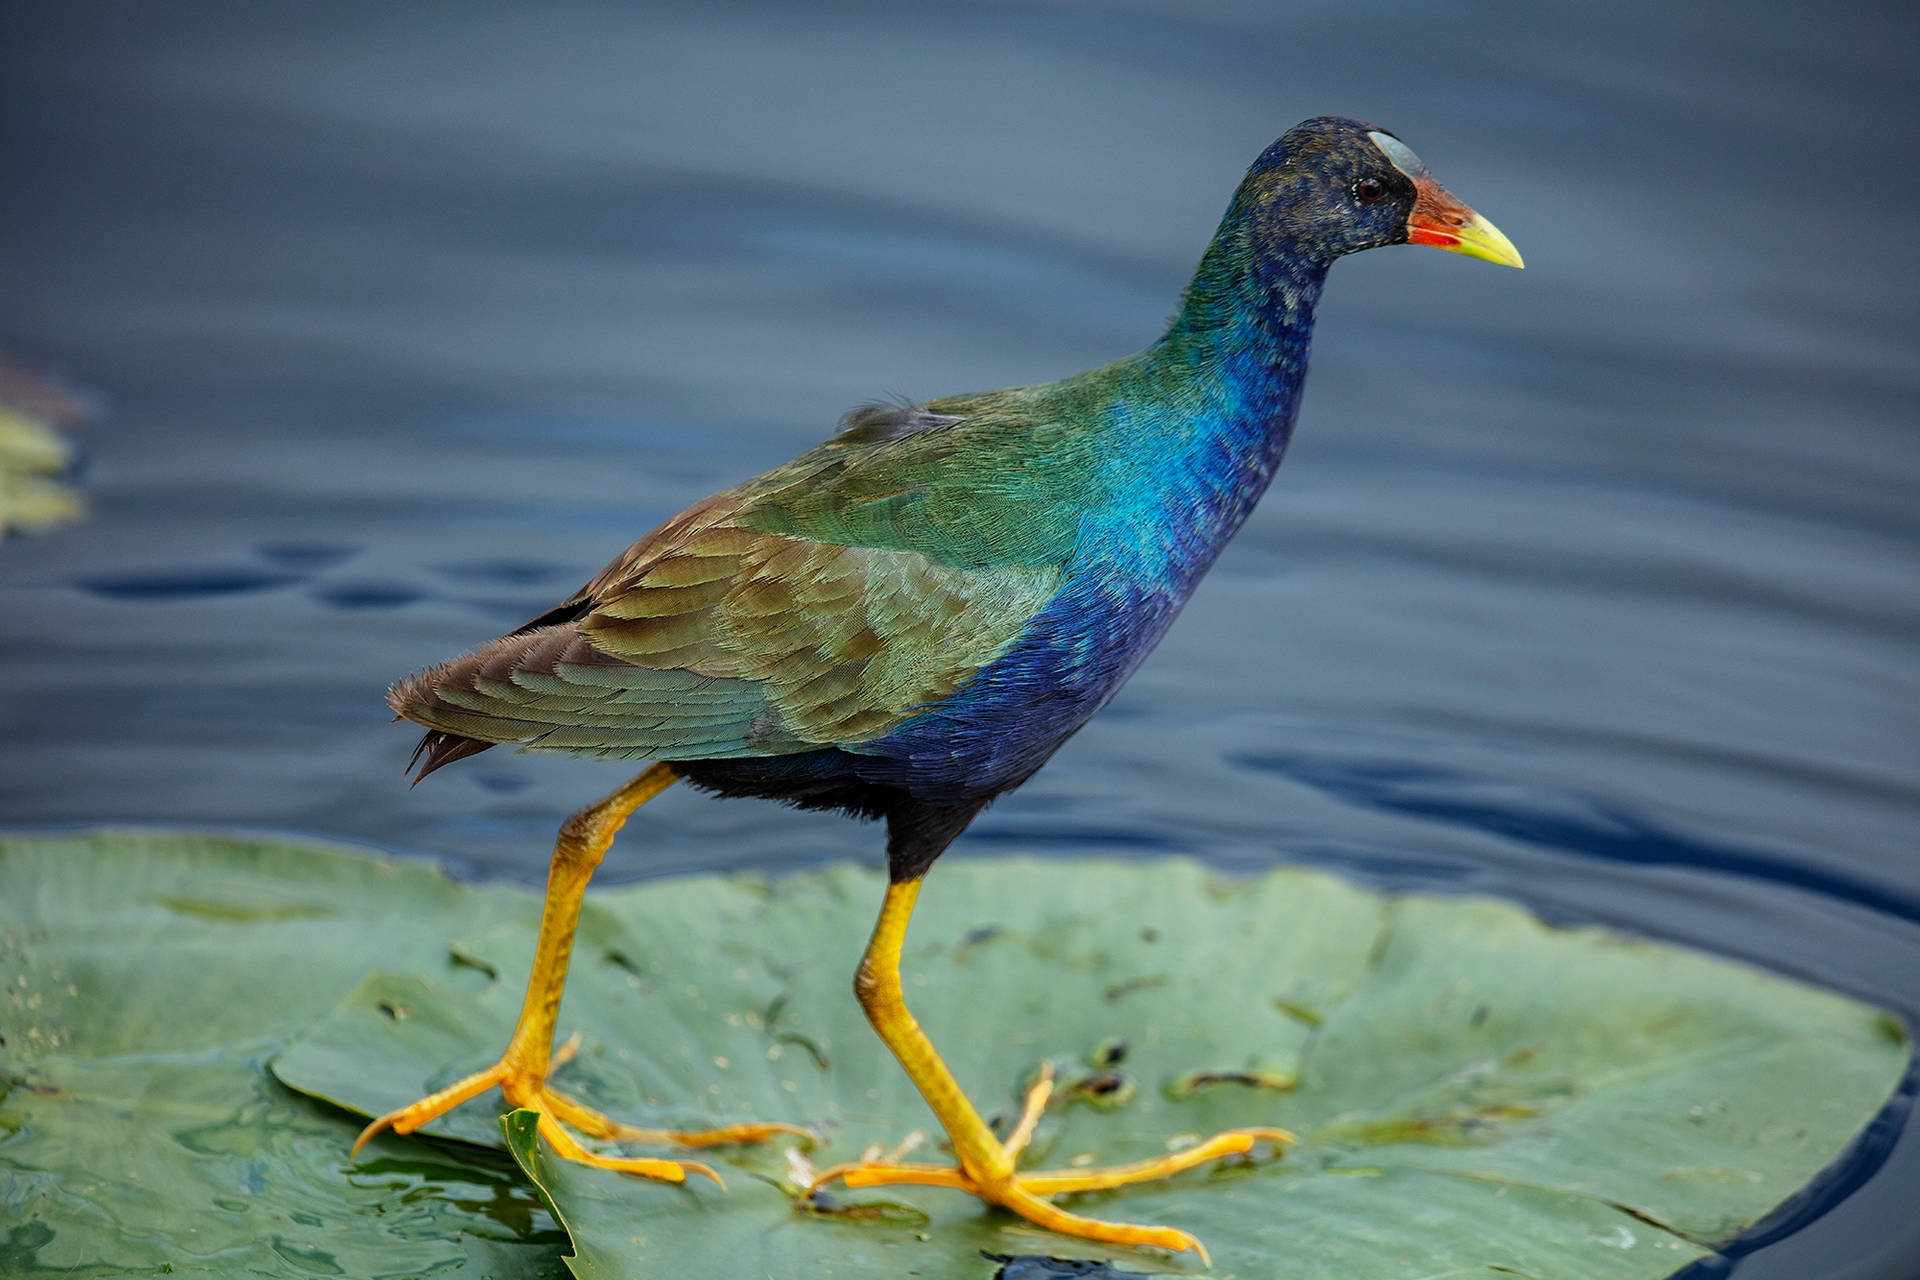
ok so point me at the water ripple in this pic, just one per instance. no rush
(1575, 824)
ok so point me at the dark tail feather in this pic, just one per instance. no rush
(437, 748)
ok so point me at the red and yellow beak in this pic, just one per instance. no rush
(1442, 221)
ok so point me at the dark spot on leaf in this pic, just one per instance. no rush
(465, 958)
(1103, 1090)
(1109, 1053)
(813, 1050)
(398, 1012)
(772, 1017)
(1132, 985)
(1149, 934)
(44, 1090)
(1455, 1129)
(975, 938)
(1200, 1081)
(240, 913)
(1298, 1012)
(621, 960)
(822, 1204)
(1030, 1266)
(1479, 1018)
(1643, 1216)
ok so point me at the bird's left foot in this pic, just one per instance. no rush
(528, 1087)
(1026, 1193)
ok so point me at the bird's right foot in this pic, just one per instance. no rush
(1029, 1193)
(526, 1086)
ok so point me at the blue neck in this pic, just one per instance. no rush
(1219, 393)
(1243, 331)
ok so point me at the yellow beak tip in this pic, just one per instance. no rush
(1481, 239)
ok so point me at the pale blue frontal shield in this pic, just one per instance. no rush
(1400, 153)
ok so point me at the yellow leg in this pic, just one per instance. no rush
(986, 1165)
(523, 1070)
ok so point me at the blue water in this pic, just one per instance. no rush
(1593, 585)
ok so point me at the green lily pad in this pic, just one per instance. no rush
(144, 981)
(1475, 1092)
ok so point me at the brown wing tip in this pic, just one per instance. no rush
(437, 748)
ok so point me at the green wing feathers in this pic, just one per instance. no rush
(817, 605)
(709, 639)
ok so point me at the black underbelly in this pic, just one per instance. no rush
(824, 779)
(919, 827)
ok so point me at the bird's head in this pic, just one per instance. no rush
(1332, 186)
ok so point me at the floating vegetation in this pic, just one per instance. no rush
(35, 456)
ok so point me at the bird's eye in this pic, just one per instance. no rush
(1368, 190)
